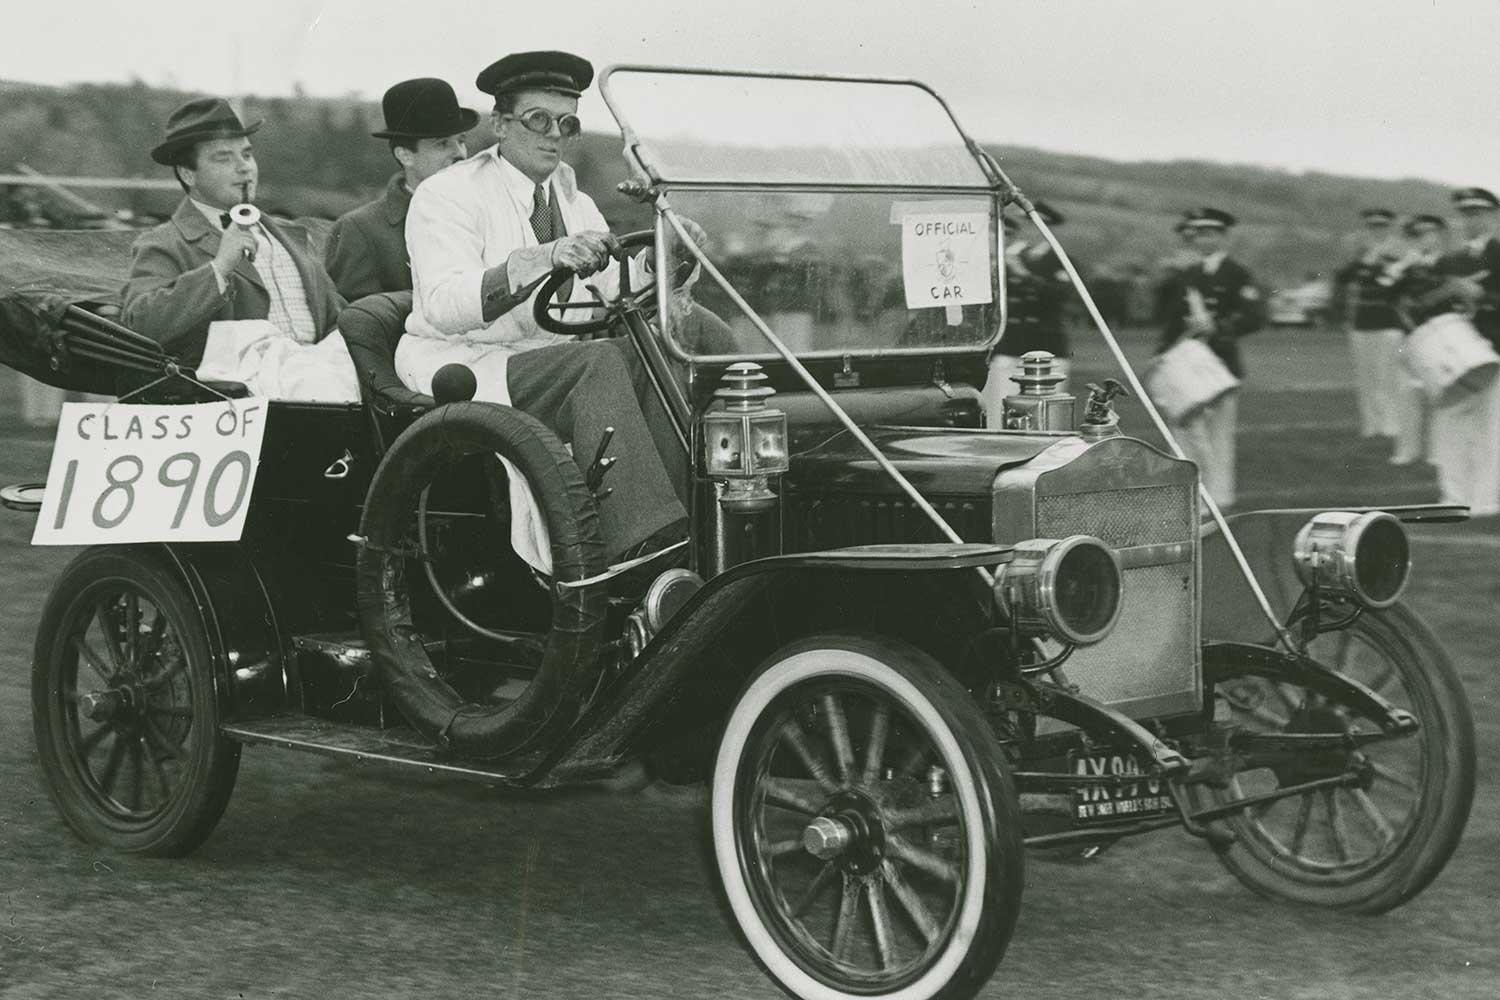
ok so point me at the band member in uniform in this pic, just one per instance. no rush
(1217, 301)
(1463, 437)
(366, 250)
(1036, 288)
(1389, 405)
(479, 232)
(202, 266)
(1476, 264)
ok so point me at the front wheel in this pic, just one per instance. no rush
(1370, 847)
(865, 827)
(124, 707)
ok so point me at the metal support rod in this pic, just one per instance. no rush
(838, 411)
(1240, 805)
(1156, 418)
(1085, 835)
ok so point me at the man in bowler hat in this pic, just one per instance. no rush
(425, 127)
(200, 266)
(490, 225)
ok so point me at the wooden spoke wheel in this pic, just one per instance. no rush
(1372, 846)
(125, 709)
(865, 828)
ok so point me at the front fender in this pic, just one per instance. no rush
(686, 678)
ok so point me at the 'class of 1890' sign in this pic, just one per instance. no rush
(127, 473)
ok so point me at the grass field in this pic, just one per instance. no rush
(329, 881)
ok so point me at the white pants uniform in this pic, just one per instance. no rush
(998, 384)
(1390, 403)
(1207, 438)
(1465, 447)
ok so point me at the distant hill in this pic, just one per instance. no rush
(317, 158)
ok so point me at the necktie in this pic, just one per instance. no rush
(541, 216)
(224, 220)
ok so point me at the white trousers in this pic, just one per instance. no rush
(998, 385)
(1377, 375)
(1466, 450)
(1207, 438)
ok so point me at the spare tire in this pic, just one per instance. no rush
(570, 660)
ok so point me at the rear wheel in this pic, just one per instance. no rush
(1374, 846)
(865, 828)
(124, 707)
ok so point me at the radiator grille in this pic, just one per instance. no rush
(1149, 663)
(1145, 515)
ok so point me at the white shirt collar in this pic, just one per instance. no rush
(520, 186)
(210, 213)
(1212, 261)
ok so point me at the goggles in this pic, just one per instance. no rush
(540, 121)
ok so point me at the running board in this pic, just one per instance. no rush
(368, 745)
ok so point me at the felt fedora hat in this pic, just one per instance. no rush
(199, 121)
(424, 108)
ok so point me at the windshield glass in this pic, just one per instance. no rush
(725, 128)
(836, 273)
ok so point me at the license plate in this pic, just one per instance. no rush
(1109, 801)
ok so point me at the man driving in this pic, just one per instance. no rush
(478, 233)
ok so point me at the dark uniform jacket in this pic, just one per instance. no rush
(1232, 299)
(1365, 301)
(1035, 296)
(1484, 267)
(366, 250)
(172, 295)
(1423, 290)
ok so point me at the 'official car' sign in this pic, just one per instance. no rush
(128, 473)
(945, 256)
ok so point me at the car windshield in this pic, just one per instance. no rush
(714, 128)
(851, 215)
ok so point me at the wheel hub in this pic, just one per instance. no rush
(100, 706)
(849, 829)
(826, 837)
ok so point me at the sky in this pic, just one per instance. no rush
(1381, 88)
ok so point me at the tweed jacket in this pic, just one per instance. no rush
(172, 296)
(366, 251)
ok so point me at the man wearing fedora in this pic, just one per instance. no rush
(490, 225)
(1214, 300)
(366, 250)
(199, 267)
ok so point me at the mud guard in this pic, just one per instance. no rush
(690, 672)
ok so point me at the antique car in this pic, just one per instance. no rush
(901, 646)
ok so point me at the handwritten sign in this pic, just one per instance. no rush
(945, 257)
(128, 473)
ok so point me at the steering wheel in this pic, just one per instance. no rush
(551, 315)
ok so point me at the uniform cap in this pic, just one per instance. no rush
(1208, 218)
(561, 72)
(1419, 223)
(1475, 197)
(1379, 215)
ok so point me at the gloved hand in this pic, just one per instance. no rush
(583, 253)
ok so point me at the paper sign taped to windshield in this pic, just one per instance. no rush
(128, 473)
(945, 255)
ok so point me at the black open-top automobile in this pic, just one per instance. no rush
(903, 647)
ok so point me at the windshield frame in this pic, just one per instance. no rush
(638, 152)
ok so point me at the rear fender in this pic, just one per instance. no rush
(687, 677)
(1230, 612)
(252, 667)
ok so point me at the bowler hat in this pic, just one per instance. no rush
(424, 108)
(200, 120)
(1475, 197)
(562, 72)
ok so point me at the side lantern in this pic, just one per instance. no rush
(1364, 558)
(745, 453)
(1068, 589)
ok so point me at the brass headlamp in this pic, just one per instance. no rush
(1067, 589)
(1362, 557)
